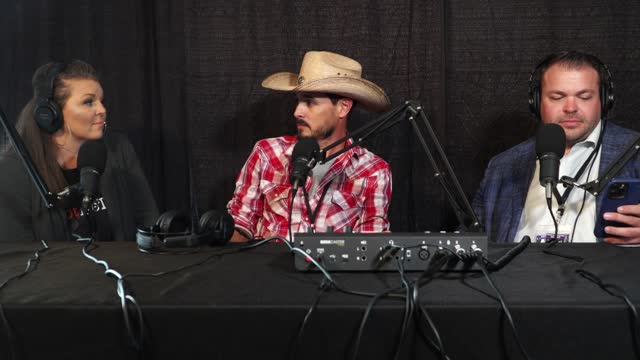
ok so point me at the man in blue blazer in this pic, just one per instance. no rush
(574, 90)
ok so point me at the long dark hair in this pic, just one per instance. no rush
(40, 144)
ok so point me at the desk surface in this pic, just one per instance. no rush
(251, 303)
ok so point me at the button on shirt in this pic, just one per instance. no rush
(358, 195)
(536, 219)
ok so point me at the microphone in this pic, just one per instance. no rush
(92, 158)
(550, 145)
(304, 159)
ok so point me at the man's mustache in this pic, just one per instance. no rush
(302, 123)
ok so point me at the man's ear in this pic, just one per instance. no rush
(344, 106)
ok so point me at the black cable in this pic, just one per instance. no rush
(591, 161)
(584, 193)
(555, 223)
(508, 256)
(293, 197)
(32, 264)
(617, 291)
(408, 305)
(505, 309)
(215, 253)
(369, 308)
(365, 317)
(324, 286)
(11, 339)
(305, 196)
(584, 199)
(554, 241)
(439, 259)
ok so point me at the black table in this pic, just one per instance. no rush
(250, 305)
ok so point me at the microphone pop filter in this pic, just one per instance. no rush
(305, 147)
(304, 150)
(550, 138)
(92, 153)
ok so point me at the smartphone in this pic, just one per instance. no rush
(619, 192)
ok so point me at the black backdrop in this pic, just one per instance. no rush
(182, 75)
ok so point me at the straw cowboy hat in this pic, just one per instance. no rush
(327, 72)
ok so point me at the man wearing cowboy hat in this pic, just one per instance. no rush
(353, 190)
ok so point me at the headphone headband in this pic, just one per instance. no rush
(607, 98)
(173, 230)
(57, 69)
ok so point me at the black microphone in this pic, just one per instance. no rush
(304, 159)
(550, 145)
(92, 158)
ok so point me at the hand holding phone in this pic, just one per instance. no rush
(619, 192)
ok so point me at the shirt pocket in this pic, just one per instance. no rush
(276, 198)
(345, 210)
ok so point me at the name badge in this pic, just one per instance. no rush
(544, 233)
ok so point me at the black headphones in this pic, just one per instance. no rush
(173, 230)
(607, 98)
(47, 112)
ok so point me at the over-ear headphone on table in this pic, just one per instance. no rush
(47, 112)
(173, 230)
(607, 99)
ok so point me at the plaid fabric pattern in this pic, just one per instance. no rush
(358, 195)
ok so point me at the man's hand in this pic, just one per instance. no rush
(627, 214)
(238, 237)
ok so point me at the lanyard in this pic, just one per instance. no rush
(314, 213)
(563, 198)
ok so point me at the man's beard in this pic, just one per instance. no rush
(318, 134)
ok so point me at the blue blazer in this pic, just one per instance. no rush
(503, 191)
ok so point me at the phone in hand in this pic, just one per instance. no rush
(619, 192)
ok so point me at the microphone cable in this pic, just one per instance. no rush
(293, 198)
(365, 317)
(504, 307)
(135, 335)
(440, 258)
(408, 306)
(547, 250)
(589, 162)
(617, 291)
(411, 304)
(32, 264)
(592, 162)
(324, 286)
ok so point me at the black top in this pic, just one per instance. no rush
(126, 200)
(83, 224)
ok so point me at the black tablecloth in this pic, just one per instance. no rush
(250, 305)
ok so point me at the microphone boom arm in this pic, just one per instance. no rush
(23, 153)
(596, 186)
(409, 111)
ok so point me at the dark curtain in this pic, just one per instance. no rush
(182, 78)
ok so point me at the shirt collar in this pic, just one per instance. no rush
(592, 139)
(288, 152)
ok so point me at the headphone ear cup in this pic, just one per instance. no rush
(220, 225)
(607, 98)
(534, 99)
(48, 115)
(173, 221)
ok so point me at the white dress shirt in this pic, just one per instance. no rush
(536, 220)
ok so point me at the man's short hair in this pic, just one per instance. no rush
(572, 60)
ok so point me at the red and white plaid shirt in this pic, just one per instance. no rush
(358, 196)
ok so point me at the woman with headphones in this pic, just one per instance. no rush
(65, 113)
